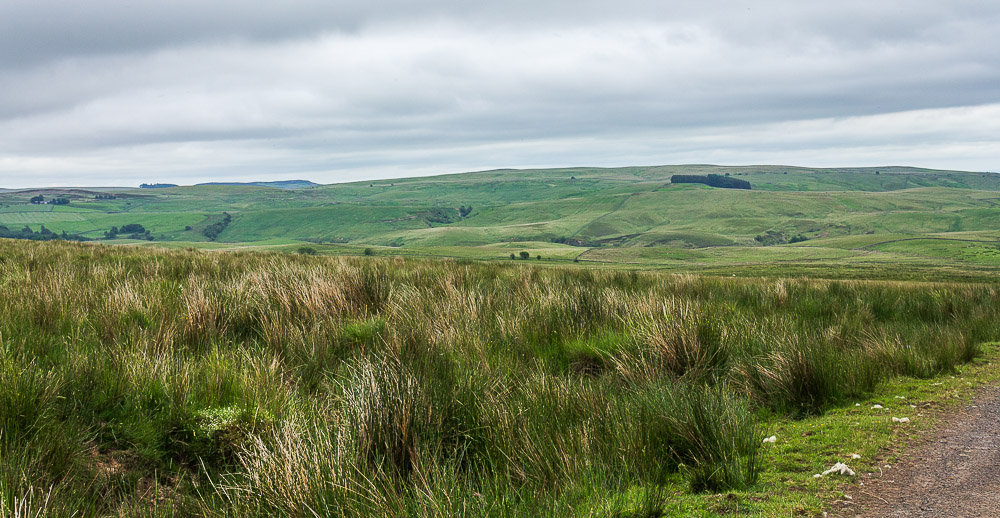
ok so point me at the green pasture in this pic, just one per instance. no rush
(631, 216)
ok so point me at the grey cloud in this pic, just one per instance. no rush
(36, 30)
(339, 88)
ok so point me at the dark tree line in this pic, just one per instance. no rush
(39, 200)
(573, 241)
(131, 231)
(773, 237)
(440, 216)
(42, 235)
(714, 180)
(212, 231)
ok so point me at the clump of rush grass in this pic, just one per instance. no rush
(706, 433)
(260, 384)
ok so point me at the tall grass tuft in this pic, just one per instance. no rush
(707, 433)
(260, 384)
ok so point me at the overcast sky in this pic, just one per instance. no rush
(109, 92)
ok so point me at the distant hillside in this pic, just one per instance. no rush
(794, 217)
(281, 184)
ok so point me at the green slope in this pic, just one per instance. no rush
(850, 218)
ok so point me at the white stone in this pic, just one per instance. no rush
(901, 419)
(840, 468)
(772, 439)
(876, 407)
(855, 456)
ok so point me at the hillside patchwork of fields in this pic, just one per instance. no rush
(858, 222)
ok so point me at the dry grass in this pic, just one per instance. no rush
(301, 386)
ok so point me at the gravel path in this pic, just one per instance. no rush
(955, 474)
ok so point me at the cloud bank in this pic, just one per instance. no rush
(117, 93)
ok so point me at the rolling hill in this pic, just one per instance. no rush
(871, 222)
(281, 184)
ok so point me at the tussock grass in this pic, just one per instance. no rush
(248, 384)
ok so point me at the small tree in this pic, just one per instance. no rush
(525, 255)
(539, 257)
(512, 255)
(307, 250)
(369, 251)
(132, 228)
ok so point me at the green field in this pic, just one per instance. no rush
(860, 222)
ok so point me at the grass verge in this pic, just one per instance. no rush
(805, 447)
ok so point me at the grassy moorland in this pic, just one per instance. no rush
(852, 223)
(137, 382)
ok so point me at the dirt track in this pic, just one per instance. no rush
(955, 474)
